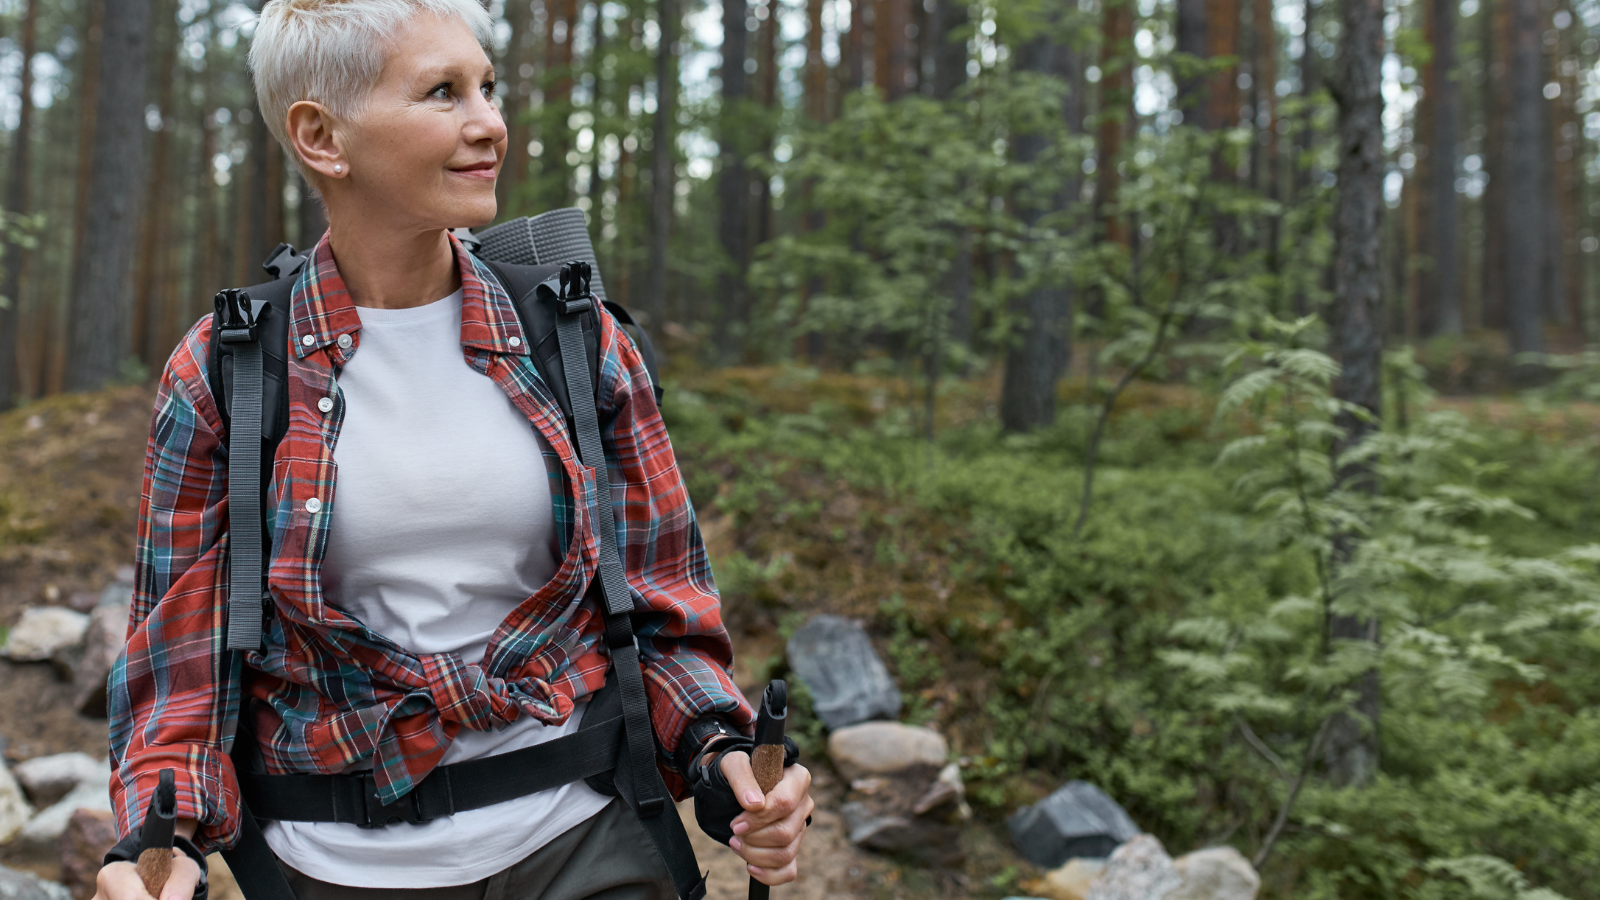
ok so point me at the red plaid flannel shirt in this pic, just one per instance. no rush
(328, 694)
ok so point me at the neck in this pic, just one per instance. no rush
(389, 269)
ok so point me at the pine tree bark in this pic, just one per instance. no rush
(16, 203)
(1440, 300)
(949, 48)
(87, 93)
(1526, 216)
(733, 194)
(1222, 39)
(1116, 113)
(663, 161)
(517, 78)
(767, 69)
(856, 47)
(1496, 45)
(1352, 747)
(555, 187)
(100, 303)
(1041, 349)
(150, 267)
(1191, 41)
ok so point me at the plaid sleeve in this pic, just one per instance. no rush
(170, 703)
(688, 655)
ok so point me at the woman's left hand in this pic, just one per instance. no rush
(767, 834)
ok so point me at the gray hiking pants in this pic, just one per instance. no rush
(607, 857)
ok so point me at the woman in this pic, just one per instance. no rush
(429, 522)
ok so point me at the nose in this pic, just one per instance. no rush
(484, 122)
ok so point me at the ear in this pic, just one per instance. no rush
(315, 140)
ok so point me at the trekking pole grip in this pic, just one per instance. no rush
(767, 757)
(155, 837)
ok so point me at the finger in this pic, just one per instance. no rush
(787, 796)
(736, 768)
(120, 881)
(185, 875)
(782, 875)
(767, 857)
(782, 832)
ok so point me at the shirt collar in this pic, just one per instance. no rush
(322, 312)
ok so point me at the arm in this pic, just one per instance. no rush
(686, 651)
(173, 694)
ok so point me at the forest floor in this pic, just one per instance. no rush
(69, 489)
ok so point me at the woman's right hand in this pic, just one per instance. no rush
(120, 881)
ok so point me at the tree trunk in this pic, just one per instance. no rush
(663, 162)
(99, 319)
(767, 66)
(1440, 285)
(1496, 41)
(16, 203)
(1351, 752)
(893, 46)
(733, 194)
(1567, 135)
(87, 92)
(1222, 39)
(1191, 41)
(1041, 350)
(1116, 113)
(518, 78)
(949, 48)
(856, 47)
(1524, 164)
(150, 267)
(599, 90)
(555, 187)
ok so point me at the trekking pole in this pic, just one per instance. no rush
(767, 757)
(155, 837)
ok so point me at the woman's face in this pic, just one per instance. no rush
(427, 147)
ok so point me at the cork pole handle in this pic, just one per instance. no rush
(767, 760)
(154, 867)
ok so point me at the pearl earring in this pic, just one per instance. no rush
(337, 168)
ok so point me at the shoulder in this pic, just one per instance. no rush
(186, 378)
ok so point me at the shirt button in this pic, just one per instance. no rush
(515, 341)
(344, 341)
(313, 505)
(325, 404)
(307, 340)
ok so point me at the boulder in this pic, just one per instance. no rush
(49, 778)
(90, 833)
(1216, 873)
(1078, 820)
(16, 885)
(886, 748)
(43, 631)
(1140, 869)
(904, 798)
(1069, 882)
(848, 682)
(102, 643)
(47, 826)
(15, 811)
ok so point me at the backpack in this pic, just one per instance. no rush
(615, 748)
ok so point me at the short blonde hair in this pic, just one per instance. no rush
(332, 51)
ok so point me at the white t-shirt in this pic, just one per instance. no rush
(442, 526)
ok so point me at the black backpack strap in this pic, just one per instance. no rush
(638, 779)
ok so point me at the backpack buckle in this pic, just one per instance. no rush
(283, 261)
(378, 815)
(239, 319)
(575, 296)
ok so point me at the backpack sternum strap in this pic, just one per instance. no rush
(639, 781)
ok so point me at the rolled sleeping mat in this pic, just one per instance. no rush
(554, 237)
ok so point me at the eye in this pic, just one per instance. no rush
(488, 88)
(442, 91)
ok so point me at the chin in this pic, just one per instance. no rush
(473, 212)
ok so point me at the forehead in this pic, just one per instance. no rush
(429, 45)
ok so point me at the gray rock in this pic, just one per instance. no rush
(43, 631)
(49, 778)
(1216, 873)
(102, 643)
(15, 811)
(1140, 869)
(923, 840)
(848, 682)
(1077, 820)
(47, 826)
(16, 885)
(117, 593)
(886, 748)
